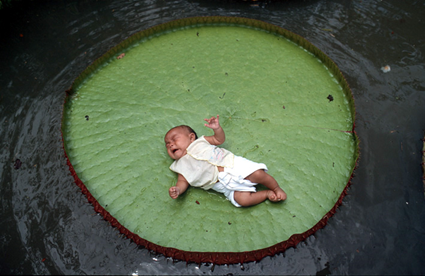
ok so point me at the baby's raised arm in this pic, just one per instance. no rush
(219, 137)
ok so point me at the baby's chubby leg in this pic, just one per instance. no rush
(260, 176)
(246, 199)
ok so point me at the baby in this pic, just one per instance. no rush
(200, 163)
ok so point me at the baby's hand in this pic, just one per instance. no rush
(174, 192)
(213, 122)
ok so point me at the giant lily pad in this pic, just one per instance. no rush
(281, 102)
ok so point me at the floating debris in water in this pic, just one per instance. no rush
(17, 164)
(386, 69)
(330, 98)
(121, 56)
(87, 117)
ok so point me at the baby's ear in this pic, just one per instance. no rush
(192, 136)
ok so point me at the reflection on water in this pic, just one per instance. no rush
(48, 226)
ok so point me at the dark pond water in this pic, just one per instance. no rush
(49, 228)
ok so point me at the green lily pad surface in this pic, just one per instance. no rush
(281, 102)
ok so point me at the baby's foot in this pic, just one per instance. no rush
(174, 192)
(272, 196)
(280, 194)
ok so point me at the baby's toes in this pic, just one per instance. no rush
(272, 196)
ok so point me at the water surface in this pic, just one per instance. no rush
(48, 226)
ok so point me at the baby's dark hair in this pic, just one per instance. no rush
(188, 128)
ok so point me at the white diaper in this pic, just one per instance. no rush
(233, 179)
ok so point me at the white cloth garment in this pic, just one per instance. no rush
(233, 179)
(199, 165)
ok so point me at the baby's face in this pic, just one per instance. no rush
(177, 140)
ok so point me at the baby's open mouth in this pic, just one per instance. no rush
(174, 150)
